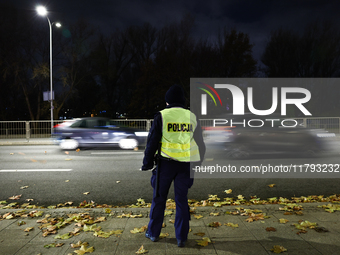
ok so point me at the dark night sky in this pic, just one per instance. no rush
(254, 17)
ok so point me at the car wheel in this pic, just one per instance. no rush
(128, 143)
(69, 144)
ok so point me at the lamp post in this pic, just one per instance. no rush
(43, 12)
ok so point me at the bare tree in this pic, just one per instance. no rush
(112, 57)
(76, 67)
(315, 53)
(235, 55)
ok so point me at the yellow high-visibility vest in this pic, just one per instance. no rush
(178, 129)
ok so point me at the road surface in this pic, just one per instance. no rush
(50, 176)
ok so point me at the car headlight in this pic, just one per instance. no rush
(141, 133)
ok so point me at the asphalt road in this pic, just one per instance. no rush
(50, 176)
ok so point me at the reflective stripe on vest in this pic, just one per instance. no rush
(177, 141)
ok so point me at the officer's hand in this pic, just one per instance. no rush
(146, 168)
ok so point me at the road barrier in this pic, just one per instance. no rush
(42, 128)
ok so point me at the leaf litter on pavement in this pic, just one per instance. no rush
(50, 225)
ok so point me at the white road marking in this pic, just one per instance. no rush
(34, 170)
(118, 153)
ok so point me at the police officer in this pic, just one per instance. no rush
(178, 133)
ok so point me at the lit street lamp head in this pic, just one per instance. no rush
(41, 10)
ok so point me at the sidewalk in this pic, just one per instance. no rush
(254, 233)
(24, 141)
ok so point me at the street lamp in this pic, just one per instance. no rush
(41, 10)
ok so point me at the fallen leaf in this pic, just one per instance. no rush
(20, 223)
(215, 214)
(28, 229)
(166, 212)
(301, 232)
(67, 180)
(107, 210)
(231, 225)
(213, 198)
(24, 187)
(77, 150)
(288, 213)
(172, 221)
(36, 214)
(198, 216)
(331, 208)
(68, 159)
(204, 242)
(93, 228)
(136, 216)
(214, 224)
(199, 234)
(272, 199)
(278, 249)
(117, 181)
(271, 185)
(303, 225)
(229, 191)
(141, 250)
(100, 219)
(86, 193)
(240, 197)
(103, 234)
(271, 229)
(283, 221)
(255, 217)
(163, 235)
(17, 197)
(8, 216)
(76, 231)
(53, 245)
(84, 250)
(79, 244)
(139, 230)
(321, 229)
(63, 237)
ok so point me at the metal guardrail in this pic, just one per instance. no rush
(42, 128)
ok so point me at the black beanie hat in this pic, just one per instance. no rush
(175, 94)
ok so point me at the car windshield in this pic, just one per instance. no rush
(96, 123)
(91, 123)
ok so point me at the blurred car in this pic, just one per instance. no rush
(97, 132)
(244, 141)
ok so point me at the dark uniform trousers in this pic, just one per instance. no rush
(179, 172)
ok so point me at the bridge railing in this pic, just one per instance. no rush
(42, 128)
